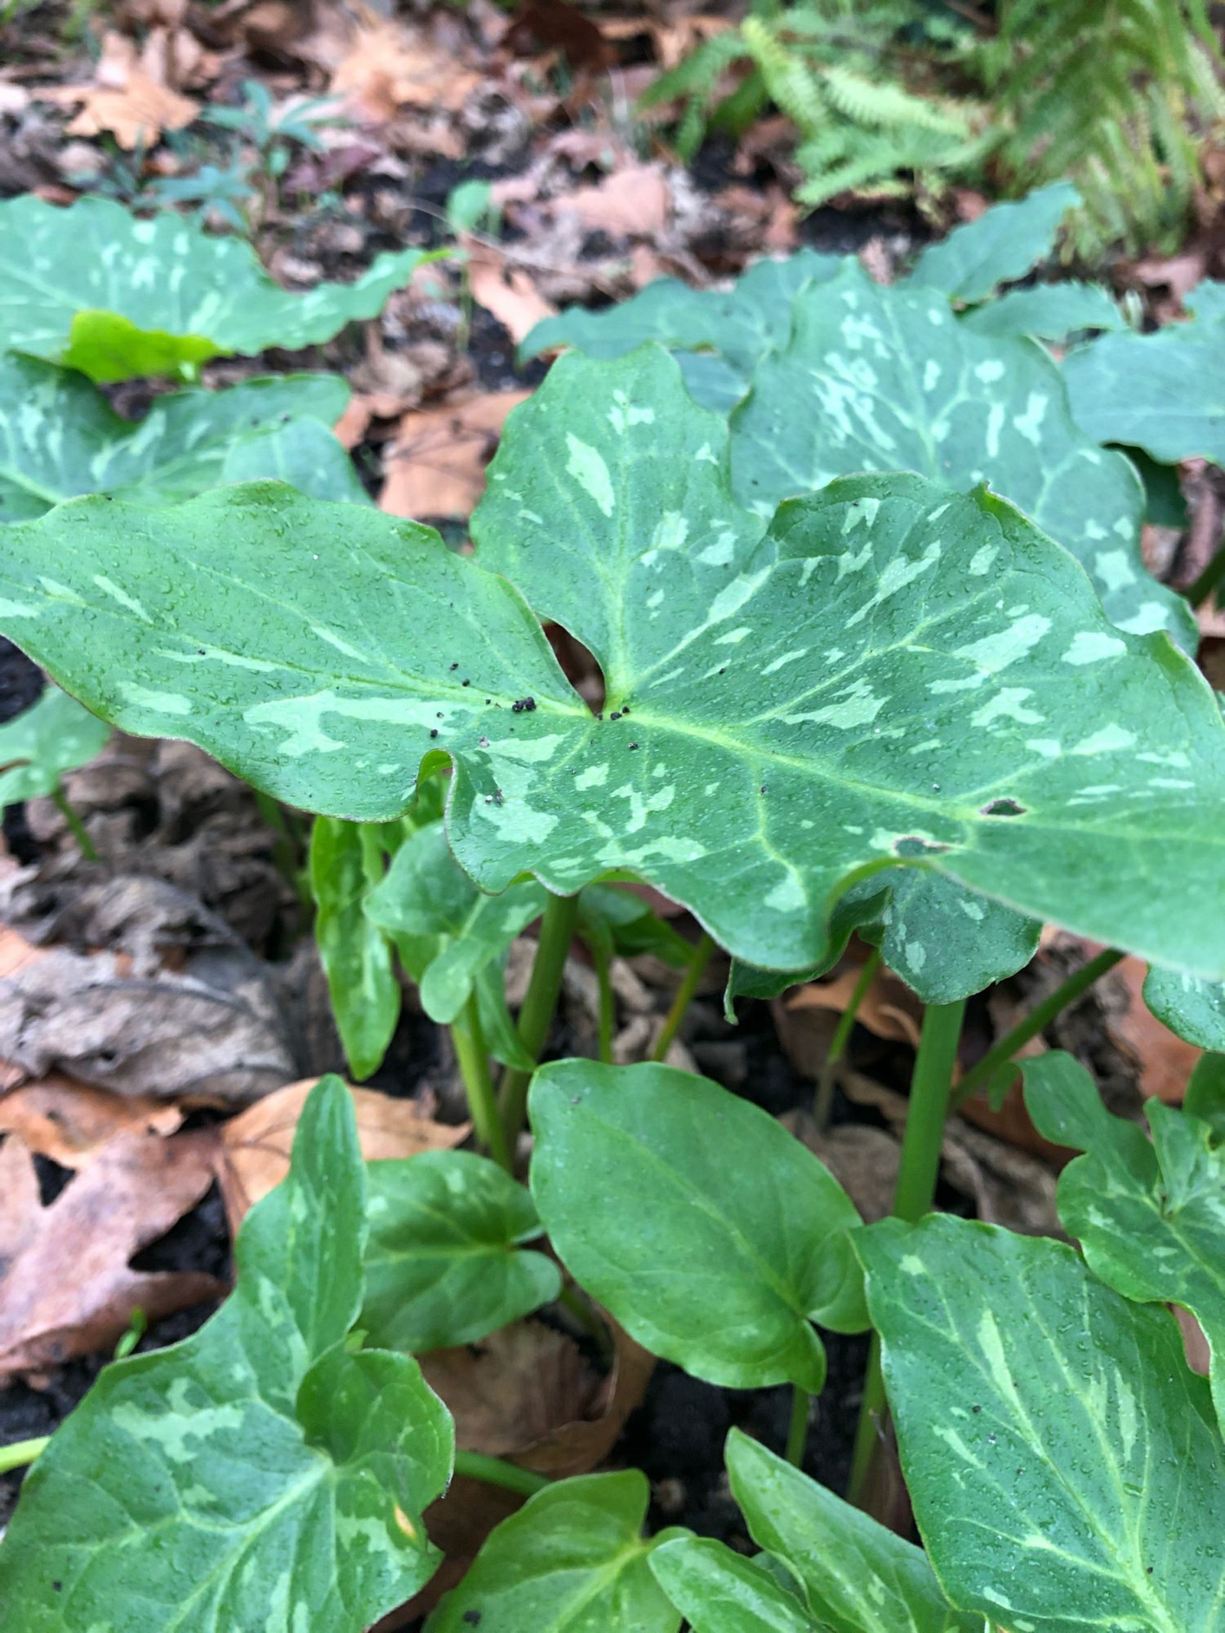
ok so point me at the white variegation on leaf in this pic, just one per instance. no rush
(890, 674)
(97, 289)
(1062, 1460)
(1192, 1007)
(263, 1473)
(60, 438)
(888, 379)
(1150, 1216)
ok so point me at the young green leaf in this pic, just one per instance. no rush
(260, 1473)
(1160, 392)
(718, 1591)
(1061, 1458)
(721, 334)
(858, 1576)
(886, 378)
(884, 679)
(303, 453)
(943, 941)
(1149, 1217)
(1047, 312)
(669, 1199)
(51, 737)
(59, 437)
(1001, 246)
(346, 864)
(443, 1265)
(572, 1560)
(1193, 1008)
(96, 289)
(426, 895)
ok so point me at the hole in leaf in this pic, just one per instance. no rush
(1004, 808)
(916, 845)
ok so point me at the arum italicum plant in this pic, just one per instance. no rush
(891, 703)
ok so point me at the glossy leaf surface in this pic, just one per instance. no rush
(670, 1199)
(1193, 1008)
(96, 289)
(346, 863)
(1063, 1463)
(719, 1591)
(59, 437)
(259, 1473)
(443, 1264)
(52, 736)
(886, 677)
(572, 1560)
(857, 1575)
(1002, 245)
(1150, 1217)
(888, 379)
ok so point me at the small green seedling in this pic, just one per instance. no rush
(940, 707)
(53, 736)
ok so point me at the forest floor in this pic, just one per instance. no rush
(181, 996)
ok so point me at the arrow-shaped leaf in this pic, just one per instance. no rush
(1150, 1217)
(259, 1474)
(444, 1264)
(634, 1175)
(99, 290)
(887, 379)
(894, 674)
(1063, 1463)
(59, 437)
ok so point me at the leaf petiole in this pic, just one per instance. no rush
(556, 931)
(494, 1471)
(468, 1039)
(21, 1453)
(696, 968)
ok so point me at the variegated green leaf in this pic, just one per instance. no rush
(633, 1177)
(1002, 245)
(572, 1560)
(1192, 1007)
(892, 674)
(1048, 312)
(96, 289)
(346, 864)
(857, 1576)
(303, 453)
(1062, 1460)
(1162, 392)
(887, 378)
(719, 1591)
(51, 737)
(425, 895)
(445, 1264)
(261, 1473)
(1150, 1217)
(720, 335)
(59, 437)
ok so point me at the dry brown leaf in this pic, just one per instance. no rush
(436, 467)
(66, 1287)
(388, 67)
(507, 292)
(126, 99)
(864, 1160)
(253, 1155)
(1165, 1060)
(633, 201)
(889, 1008)
(72, 1123)
(16, 952)
(216, 1041)
(526, 1393)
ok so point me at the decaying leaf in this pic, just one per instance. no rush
(126, 99)
(73, 1123)
(178, 1037)
(388, 66)
(254, 1149)
(66, 1287)
(436, 466)
(506, 291)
